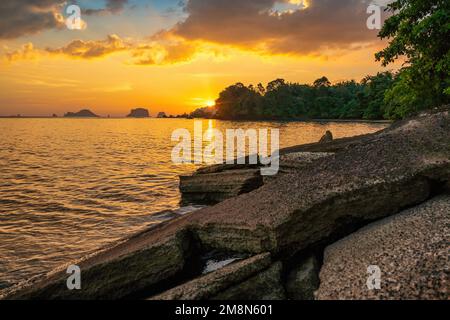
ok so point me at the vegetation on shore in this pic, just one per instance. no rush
(418, 31)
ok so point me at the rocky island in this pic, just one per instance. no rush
(85, 113)
(139, 113)
(337, 209)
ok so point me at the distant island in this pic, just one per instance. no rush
(85, 113)
(139, 113)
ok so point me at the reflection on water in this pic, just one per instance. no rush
(69, 186)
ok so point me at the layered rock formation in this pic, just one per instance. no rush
(277, 226)
(219, 186)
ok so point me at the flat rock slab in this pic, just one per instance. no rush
(216, 187)
(410, 249)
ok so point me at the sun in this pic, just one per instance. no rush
(210, 103)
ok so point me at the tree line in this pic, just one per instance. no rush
(321, 100)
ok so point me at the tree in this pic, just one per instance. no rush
(419, 31)
(238, 102)
(374, 92)
(322, 82)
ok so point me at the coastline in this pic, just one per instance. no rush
(280, 246)
(246, 120)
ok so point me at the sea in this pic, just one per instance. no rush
(71, 186)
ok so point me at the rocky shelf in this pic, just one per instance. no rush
(310, 233)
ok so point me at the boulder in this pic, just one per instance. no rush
(207, 286)
(216, 187)
(410, 250)
(327, 137)
(303, 280)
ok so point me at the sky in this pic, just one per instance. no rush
(172, 55)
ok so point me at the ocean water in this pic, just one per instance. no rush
(71, 186)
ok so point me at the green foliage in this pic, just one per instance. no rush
(419, 31)
(322, 100)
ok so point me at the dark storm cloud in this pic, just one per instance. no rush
(18, 18)
(250, 23)
(24, 17)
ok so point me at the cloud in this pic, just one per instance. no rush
(165, 48)
(286, 26)
(92, 49)
(27, 52)
(160, 49)
(111, 7)
(213, 27)
(24, 17)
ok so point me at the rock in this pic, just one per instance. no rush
(216, 187)
(207, 286)
(303, 280)
(212, 186)
(299, 160)
(81, 114)
(139, 113)
(337, 145)
(162, 115)
(328, 137)
(333, 196)
(411, 250)
(265, 285)
(128, 267)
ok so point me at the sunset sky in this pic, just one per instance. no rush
(172, 55)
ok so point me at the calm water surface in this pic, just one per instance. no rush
(70, 186)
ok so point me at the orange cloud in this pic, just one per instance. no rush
(305, 28)
(27, 52)
(317, 28)
(92, 49)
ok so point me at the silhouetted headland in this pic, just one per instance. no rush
(85, 113)
(139, 113)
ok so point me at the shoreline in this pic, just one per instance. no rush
(281, 240)
(225, 120)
